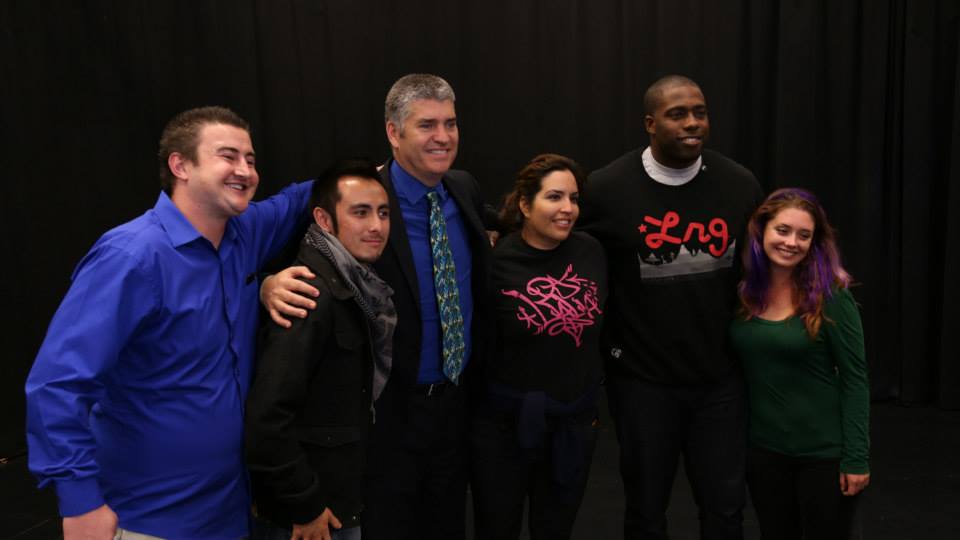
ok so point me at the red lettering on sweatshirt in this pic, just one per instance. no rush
(714, 236)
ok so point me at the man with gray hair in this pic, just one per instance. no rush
(436, 262)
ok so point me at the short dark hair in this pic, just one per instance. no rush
(182, 133)
(654, 94)
(529, 182)
(325, 192)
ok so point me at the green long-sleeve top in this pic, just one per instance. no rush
(808, 398)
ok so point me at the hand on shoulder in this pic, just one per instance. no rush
(287, 294)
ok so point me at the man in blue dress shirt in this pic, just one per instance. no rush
(416, 476)
(134, 403)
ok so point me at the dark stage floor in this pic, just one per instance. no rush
(914, 495)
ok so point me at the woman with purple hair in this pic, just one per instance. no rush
(801, 343)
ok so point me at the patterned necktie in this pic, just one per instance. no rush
(448, 295)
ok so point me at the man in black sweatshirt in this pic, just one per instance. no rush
(672, 217)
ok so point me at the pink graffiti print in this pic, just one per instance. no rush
(552, 306)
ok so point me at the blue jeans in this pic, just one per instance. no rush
(264, 530)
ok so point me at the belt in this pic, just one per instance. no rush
(433, 389)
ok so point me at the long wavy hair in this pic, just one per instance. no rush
(814, 278)
(528, 183)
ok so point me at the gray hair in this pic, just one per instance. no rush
(410, 88)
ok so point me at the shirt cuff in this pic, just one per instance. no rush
(79, 496)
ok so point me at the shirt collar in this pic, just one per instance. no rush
(178, 228)
(668, 175)
(409, 188)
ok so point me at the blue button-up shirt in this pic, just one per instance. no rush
(415, 207)
(136, 397)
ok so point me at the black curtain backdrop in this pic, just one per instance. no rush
(856, 100)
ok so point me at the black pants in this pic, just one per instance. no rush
(504, 475)
(416, 484)
(655, 426)
(798, 497)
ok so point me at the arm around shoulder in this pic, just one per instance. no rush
(276, 219)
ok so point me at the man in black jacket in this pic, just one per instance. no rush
(310, 408)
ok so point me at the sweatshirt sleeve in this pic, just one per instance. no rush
(844, 335)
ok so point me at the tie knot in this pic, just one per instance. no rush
(434, 197)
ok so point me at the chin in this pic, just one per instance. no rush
(367, 258)
(789, 266)
(441, 168)
(238, 209)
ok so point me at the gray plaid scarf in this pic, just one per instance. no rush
(370, 292)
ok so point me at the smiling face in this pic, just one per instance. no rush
(363, 218)
(549, 218)
(787, 238)
(222, 180)
(679, 126)
(426, 144)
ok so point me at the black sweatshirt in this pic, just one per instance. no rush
(549, 307)
(673, 267)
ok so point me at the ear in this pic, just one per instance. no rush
(648, 124)
(322, 217)
(524, 207)
(393, 134)
(178, 165)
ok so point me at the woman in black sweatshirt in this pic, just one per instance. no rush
(535, 430)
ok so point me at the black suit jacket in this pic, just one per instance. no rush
(396, 268)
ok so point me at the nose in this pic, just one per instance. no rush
(242, 169)
(791, 240)
(376, 224)
(442, 134)
(691, 121)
